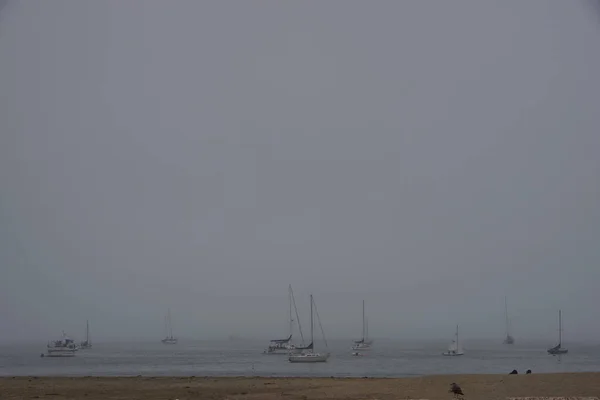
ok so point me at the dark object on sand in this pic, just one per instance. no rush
(456, 390)
(528, 371)
(514, 372)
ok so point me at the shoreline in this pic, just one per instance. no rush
(432, 387)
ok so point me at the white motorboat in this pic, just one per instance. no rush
(64, 347)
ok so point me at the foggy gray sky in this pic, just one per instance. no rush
(430, 157)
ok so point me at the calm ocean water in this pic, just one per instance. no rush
(237, 358)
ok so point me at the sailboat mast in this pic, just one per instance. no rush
(311, 319)
(168, 322)
(559, 327)
(506, 316)
(457, 337)
(87, 331)
(290, 299)
(363, 320)
(297, 316)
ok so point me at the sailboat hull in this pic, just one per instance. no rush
(557, 352)
(169, 341)
(452, 354)
(309, 358)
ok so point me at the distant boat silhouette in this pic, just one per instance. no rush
(285, 346)
(508, 339)
(364, 343)
(558, 349)
(169, 338)
(87, 343)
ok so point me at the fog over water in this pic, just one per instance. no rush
(428, 157)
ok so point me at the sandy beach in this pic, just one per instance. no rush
(476, 387)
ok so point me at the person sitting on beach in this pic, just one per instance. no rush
(528, 371)
(514, 372)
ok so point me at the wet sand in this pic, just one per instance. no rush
(476, 387)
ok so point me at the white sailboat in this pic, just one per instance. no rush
(87, 343)
(285, 346)
(454, 349)
(309, 355)
(169, 338)
(558, 349)
(508, 339)
(364, 343)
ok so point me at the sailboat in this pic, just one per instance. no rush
(508, 339)
(169, 338)
(87, 343)
(285, 346)
(364, 343)
(558, 349)
(309, 355)
(454, 349)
